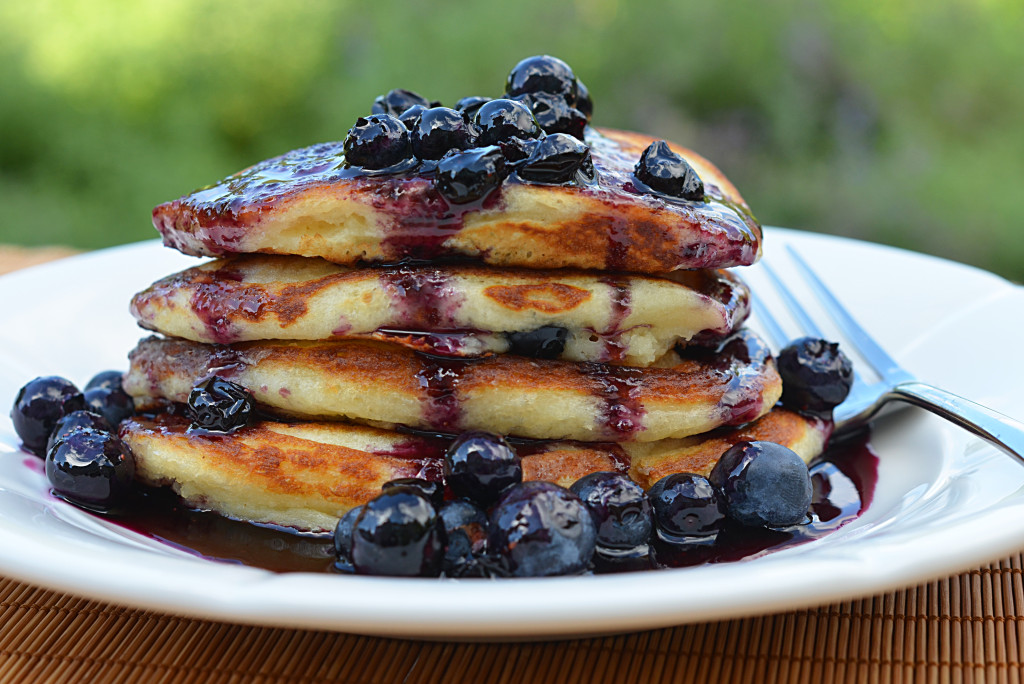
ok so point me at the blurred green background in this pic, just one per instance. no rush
(898, 122)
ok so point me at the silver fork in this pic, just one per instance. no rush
(895, 384)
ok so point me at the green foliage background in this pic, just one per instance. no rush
(898, 122)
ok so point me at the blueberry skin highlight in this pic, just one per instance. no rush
(547, 342)
(500, 120)
(542, 74)
(816, 375)
(219, 405)
(620, 509)
(377, 142)
(686, 507)
(77, 420)
(434, 491)
(465, 526)
(343, 540)
(763, 484)
(91, 469)
(439, 130)
(110, 402)
(539, 529)
(396, 102)
(666, 172)
(470, 175)
(110, 379)
(39, 405)
(479, 466)
(558, 159)
(398, 534)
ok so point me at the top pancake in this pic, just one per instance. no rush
(307, 203)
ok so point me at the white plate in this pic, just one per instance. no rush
(944, 501)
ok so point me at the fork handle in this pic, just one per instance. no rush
(1002, 431)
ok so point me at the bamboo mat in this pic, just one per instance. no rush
(967, 628)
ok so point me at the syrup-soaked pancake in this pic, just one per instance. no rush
(306, 475)
(307, 202)
(389, 385)
(450, 311)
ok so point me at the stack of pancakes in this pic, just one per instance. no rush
(371, 317)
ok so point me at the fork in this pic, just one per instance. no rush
(896, 383)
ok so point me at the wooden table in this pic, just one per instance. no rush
(965, 628)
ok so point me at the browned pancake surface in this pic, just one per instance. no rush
(307, 203)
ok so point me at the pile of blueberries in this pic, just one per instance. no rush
(494, 524)
(75, 432)
(498, 525)
(535, 131)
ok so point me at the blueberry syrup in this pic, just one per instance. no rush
(622, 413)
(439, 378)
(614, 349)
(423, 298)
(844, 483)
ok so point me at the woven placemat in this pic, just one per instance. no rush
(961, 629)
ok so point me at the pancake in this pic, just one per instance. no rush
(307, 475)
(455, 310)
(389, 385)
(307, 203)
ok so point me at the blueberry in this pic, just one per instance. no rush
(76, 420)
(343, 540)
(517, 150)
(110, 379)
(432, 490)
(763, 483)
(816, 375)
(685, 506)
(376, 142)
(469, 105)
(219, 405)
(503, 119)
(620, 508)
(543, 343)
(439, 130)
(479, 466)
(465, 527)
(398, 534)
(583, 101)
(666, 172)
(542, 74)
(38, 407)
(410, 118)
(90, 468)
(397, 102)
(539, 528)
(470, 175)
(111, 403)
(557, 159)
(554, 114)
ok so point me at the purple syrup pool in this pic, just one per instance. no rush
(844, 484)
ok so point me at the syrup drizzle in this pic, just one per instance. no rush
(621, 295)
(439, 379)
